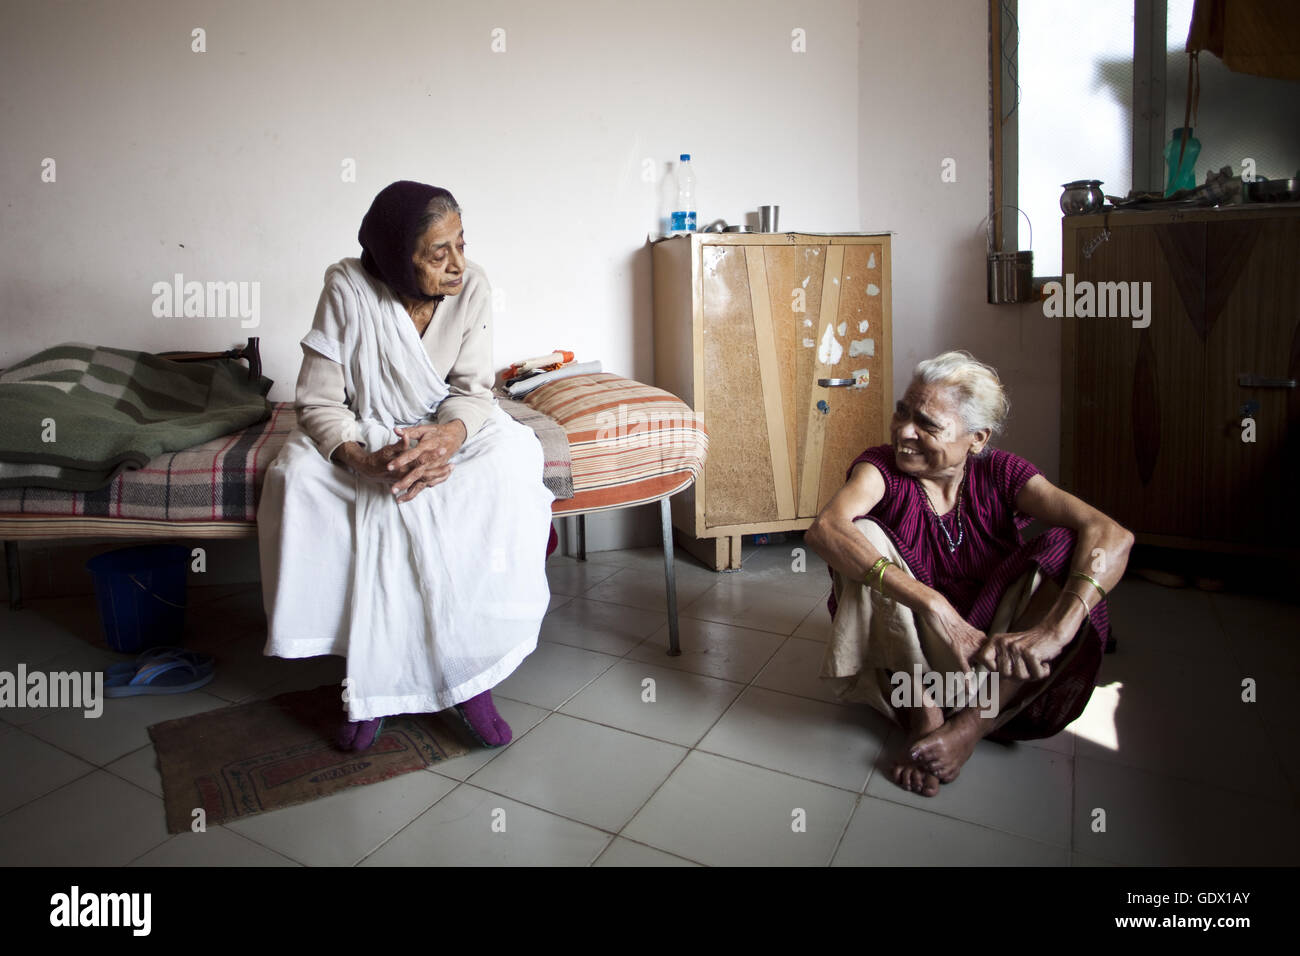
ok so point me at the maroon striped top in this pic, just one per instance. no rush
(992, 555)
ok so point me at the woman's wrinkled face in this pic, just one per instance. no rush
(930, 440)
(439, 257)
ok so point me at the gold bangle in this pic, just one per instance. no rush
(880, 581)
(1100, 589)
(1086, 610)
(867, 578)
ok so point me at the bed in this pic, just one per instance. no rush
(631, 445)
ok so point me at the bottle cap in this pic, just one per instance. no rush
(686, 157)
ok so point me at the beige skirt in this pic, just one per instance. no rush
(874, 638)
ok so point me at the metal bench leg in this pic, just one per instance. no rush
(582, 537)
(15, 576)
(670, 578)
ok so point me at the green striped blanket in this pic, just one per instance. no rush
(73, 416)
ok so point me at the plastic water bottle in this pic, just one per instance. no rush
(684, 211)
(1181, 175)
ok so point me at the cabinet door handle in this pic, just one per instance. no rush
(836, 382)
(1246, 380)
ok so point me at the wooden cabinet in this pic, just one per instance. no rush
(1151, 426)
(745, 326)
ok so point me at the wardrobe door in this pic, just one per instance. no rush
(746, 479)
(1252, 321)
(1139, 405)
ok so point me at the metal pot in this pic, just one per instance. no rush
(1272, 190)
(1011, 274)
(1011, 277)
(1082, 196)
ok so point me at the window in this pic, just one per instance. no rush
(1092, 89)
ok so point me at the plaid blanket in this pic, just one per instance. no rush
(218, 480)
(74, 416)
(557, 467)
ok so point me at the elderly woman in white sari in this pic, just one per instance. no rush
(405, 523)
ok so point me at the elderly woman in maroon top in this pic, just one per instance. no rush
(945, 619)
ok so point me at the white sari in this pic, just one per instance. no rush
(433, 600)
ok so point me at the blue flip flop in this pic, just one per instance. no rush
(163, 670)
(117, 675)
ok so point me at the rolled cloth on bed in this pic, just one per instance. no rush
(73, 416)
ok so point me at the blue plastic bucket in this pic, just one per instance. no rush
(141, 594)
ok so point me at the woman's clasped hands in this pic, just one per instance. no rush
(420, 459)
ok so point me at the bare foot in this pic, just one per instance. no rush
(945, 750)
(908, 773)
(912, 777)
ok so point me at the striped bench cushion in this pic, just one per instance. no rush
(630, 443)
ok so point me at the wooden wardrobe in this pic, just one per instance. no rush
(782, 343)
(1152, 418)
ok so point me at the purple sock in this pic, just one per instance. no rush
(483, 717)
(358, 734)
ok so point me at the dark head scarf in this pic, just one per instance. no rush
(389, 232)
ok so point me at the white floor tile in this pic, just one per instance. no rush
(580, 770)
(678, 707)
(634, 587)
(471, 827)
(552, 674)
(1154, 820)
(1179, 717)
(807, 738)
(1082, 859)
(1062, 743)
(96, 820)
(215, 847)
(1261, 634)
(722, 813)
(795, 568)
(571, 577)
(1149, 619)
(714, 650)
(626, 853)
(34, 635)
(139, 767)
(596, 626)
(345, 827)
(817, 625)
(33, 768)
(795, 669)
(753, 605)
(651, 560)
(1020, 790)
(883, 833)
(121, 728)
(520, 716)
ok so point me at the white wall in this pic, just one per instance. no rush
(226, 165)
(923, 98)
